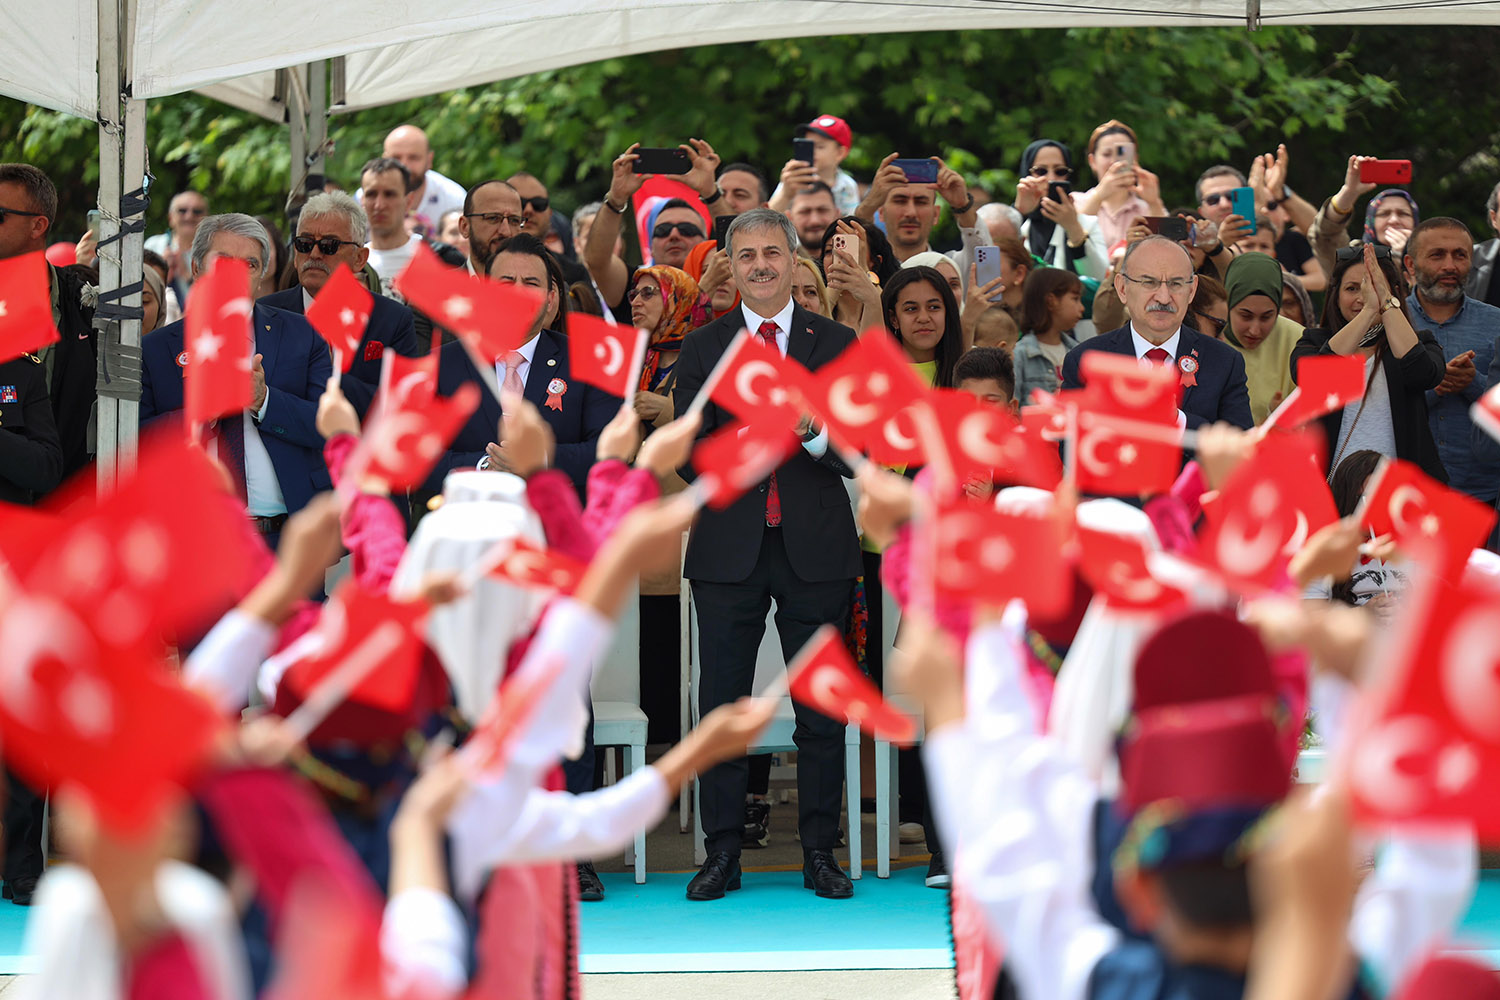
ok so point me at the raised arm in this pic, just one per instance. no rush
(608, 271)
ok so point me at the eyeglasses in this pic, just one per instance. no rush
(1063, 172)
(644, 293)
(537, 204)
(1214, 321)
(327, 245)
(1175, 286)
(1215, 198)
(497, 219)
(664, 229)
(1382, 252)
(16, 211)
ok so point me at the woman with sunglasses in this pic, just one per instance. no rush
(1054, 230)
(1364, 316)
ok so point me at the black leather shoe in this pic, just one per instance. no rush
(590, 889)
(822, 874)
(720, 874)
(19, 892)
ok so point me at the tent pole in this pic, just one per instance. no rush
(296, 110)
(110, 124)
(131, 265)
(317, 125)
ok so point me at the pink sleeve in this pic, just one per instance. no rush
(551, 494)
(955, 617)
(373, 529)
(635, 487)
(1174, 513)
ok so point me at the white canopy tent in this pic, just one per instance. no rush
(101, 59)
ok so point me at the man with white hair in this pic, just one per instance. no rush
(332, 230)
(1001, 220)
(272, 449)
(432, 194)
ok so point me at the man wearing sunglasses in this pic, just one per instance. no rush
(331, 231)
(677, 229)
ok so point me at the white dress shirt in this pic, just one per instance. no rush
(818, 446)
(262, 488)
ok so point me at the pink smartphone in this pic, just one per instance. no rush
(847, 244)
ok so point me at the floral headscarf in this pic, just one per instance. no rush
(679, 293)
(1374, 207)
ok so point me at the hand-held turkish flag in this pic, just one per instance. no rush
(1486, 412)
(866, 385)
(604, 355)
(1115, 565)
(490, 317)
(410, 430)
(1426, 518)
(25, 305)
(526, 564)
(1122, 457)
(1267, 509)
(1430, 748)
(366, 648)
(1325, 383)
(822, 676)
(218, 340)
(733, 460)
(340, 313)
(982, 553)
(987, 441)
(758, 385)
(1121, 385)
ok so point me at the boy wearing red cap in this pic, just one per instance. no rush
(831, 140)
(1201, 767)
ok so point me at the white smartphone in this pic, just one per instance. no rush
(987, 267)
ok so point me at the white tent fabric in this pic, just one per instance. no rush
(397, 49)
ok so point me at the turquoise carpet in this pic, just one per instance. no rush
(771, 923)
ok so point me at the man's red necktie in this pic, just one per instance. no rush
(767, 333)
(1158, 355)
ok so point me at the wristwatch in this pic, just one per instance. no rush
(960, 210)
(611, 206)
(1391, 302)
(712, 198)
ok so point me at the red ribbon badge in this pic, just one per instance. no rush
(1188, 367)
(555, 390)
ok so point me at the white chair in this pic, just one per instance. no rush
(887, 773)
(778, 735)
(618, 719)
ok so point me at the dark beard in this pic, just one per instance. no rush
(482, 256)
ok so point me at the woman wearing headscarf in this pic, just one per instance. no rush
(1256, 329)
(709, 267)
(1055, 231)
(1296, 304)
(662, 302)
(1389, 218)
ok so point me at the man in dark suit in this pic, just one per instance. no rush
(273, 448)
(576, 412)
(1155, 281)
(791, 539)
(332, 230)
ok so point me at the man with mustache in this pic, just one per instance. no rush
(1156, 282)
(1438, 258)
(790, 539)
(332, 230)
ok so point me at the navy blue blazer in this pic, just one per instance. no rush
(297, 366)
(1220, 394)
(585, 410)
(390, 329)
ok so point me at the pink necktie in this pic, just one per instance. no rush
(767, 333)
(1158, 355)
(512, 362)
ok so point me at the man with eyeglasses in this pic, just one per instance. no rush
(28, 210)
(331, 230)
(1156, 283)
(272, 448)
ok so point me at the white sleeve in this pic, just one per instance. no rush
(1017, 820)
(1095, 260)
(1422, 885)
(423, 946)
(577, 636)
(974, 236)
(501, 824)
(225, 663)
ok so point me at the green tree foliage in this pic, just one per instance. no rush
(1195, 96)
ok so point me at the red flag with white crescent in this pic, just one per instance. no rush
(1115, 565)
(529, 565)
(490, 317)
(866, 385)
(1425, 517)
(758, 385)
(822, 676)
(605, 355)
(340, 313)
(409, 431)
(1325, 383)
(1120, 384)
(982, 553)
(219, 342)
(734, 459)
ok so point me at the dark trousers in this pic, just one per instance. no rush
(731, 623)
(661, 666)
(578, 774)
(25, 854)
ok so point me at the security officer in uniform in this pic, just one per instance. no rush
(31, 464)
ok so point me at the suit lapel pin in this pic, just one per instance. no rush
(551, 362)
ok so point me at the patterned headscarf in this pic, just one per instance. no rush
(1374, 206)
(679, 294)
